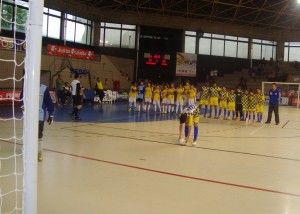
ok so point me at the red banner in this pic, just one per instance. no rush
(64, 51)
(6, 96)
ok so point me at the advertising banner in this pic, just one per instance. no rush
(186, 64)
(64, 51)
(7, 95)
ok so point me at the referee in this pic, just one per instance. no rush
(274, 95)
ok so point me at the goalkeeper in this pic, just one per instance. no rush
(189, 118)
(45, 104)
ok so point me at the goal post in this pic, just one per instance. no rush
(290, 92)
(31, 104)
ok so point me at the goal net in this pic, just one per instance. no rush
(20, 55)
(289, 92)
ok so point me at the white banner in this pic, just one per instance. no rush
(186, 64)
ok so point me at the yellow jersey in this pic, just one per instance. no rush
(186, 89)
(164, 93)
(133, 91)
(171, 93)
(179, 95)
(192, 93)
(100, 85)
(156, 94)
(148, 92)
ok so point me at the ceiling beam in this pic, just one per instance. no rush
(195, 21)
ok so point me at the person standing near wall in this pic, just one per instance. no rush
(274, 95)
(100, 90)
(59, 83)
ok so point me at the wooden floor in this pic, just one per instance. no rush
(139, 168)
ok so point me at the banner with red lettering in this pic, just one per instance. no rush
(7, 95)
(64, 51)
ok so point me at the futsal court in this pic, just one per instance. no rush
(122, 162)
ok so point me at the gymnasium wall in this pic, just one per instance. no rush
(107, 68)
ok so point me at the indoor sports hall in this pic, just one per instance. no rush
(143, 107)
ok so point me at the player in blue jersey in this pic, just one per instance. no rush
(140, 96)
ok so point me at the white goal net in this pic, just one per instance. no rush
(20, 52)
(289, 92)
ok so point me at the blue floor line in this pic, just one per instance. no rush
(108, 113)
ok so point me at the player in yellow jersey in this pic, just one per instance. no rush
(231, 104)
(171, 98)
(132, 97)
(223, 102)
(260, 106)
(192, 95)
(251, 106)
(189, 118)
(186, 93)
(156, 98)
(164, 99)
(179, 99)
(214, 99)
(148, 97)
(204, 98)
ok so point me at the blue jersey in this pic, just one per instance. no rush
(140, 90)
(274, 96)
(45, 103)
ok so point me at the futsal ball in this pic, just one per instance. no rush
(182, 141)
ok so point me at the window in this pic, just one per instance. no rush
(292, 51)
(117, 35)
(51, 23)
(8, 11)
(223, 45)
(231, 48)
(7, 14)
(217, 47)
(190, 42)
(204, 46)
(263, 49)
(128, 39)
(78, 29)
(242, 51)
(112, 38)
(256, 51)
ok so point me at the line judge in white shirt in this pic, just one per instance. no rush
(74, 85)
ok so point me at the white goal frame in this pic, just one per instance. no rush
(284, 83)
(31, 104)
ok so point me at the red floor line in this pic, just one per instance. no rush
(178, 175)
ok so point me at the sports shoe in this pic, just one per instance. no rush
(194, 143)
(40, 157)
(77, 118)
(182, 141)
(267, 122)
(277, 123)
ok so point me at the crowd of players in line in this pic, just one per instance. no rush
(215, 101)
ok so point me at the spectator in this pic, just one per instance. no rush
(100, 90)
(77, 97)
